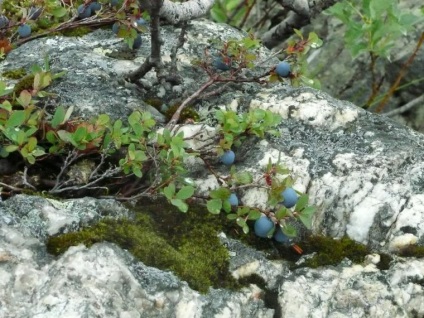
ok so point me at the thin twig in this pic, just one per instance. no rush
(406, 107)
(401, 74)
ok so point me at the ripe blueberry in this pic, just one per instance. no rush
(219, 64)
(84, 11)
(140, 22)
(95, 6)
(137, 42)
(263, 226)
(279, 236)
(283, 69)
(114, 3)
(24, 30)
(228, 157)
(289, 198)
(115, 27)
(233, 199)
(34, 13)
(4, 21)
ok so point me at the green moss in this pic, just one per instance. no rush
(15, 73)
(45, 23)
(187, 243)
(187, 113)
(412, 251)
(331, 251)
(80, 31)
(155, 102)
(26, 82)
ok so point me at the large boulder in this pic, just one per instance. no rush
(363, 171)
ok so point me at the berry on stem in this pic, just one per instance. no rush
(228, 157)
(233, 199)
(84, 11)
(283, 69)
(24, 30)
(263, 226)
(4, 21)
(289, 198)
(219, 64)
(137, 42)
(280, 237)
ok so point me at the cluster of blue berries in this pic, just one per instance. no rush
(87, 10)
(264, 226)
(24, 29)
(228, 159)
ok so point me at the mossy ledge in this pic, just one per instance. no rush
(163, 237)
(329, 251)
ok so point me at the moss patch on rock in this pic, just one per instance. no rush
(329, 251)
(14, 74)
(163, 237)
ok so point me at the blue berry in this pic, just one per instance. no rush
(24, 30)
(137, 42)
(283, 69)
(280, 237)
(95, 6)
(114, 3)
(289, 198)
(115, 27)
(140, 22)
(233, 199)
(84, 11)
(219, 64)
(34, 13)
(4, 21)
(263, 226)
(228, 157)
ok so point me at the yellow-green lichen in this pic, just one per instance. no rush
(15, 73)
(164, 238)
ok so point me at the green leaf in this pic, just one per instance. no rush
(244, 177)
(241, 222)
(24, 98)
(58, 117)
(80, 133)
(137, 171)
(66, 137)
(220, 193)
(254, 215)
(180, 204)
(306, 216)
(31, 144)
(11, 148)
(289, 230)
(169, 191)
(301, 202)
(185, 193)
(232, 216)
(214, 206)
(17, 118)
(282, 213)
(59, 12)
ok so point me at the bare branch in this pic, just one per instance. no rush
(294, 19)
(417, 101)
